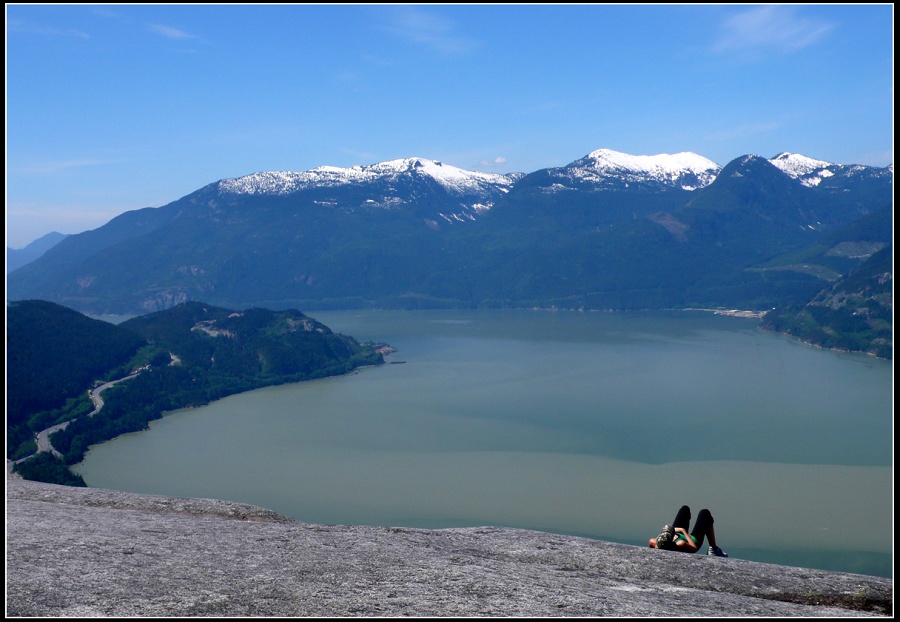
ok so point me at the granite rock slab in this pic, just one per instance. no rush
(92, 552)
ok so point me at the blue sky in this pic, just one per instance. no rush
(112, 108)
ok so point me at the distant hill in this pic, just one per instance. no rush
(187, 355)
(257, 347)
(18, 257)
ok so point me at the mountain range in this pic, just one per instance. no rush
(607, 231)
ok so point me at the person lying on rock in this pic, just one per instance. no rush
(675, 537)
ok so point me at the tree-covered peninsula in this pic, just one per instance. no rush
(185, 356)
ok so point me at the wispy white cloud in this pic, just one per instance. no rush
(170, 32)
(15, 25)
(743, 131)
(62, 214)
(495, 162)
(431, 30)
(49, 168)
(28, 221)
(105, 12)
(361, 158)
(769, 29)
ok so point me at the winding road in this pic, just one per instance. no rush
(43, 437)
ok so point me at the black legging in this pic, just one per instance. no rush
(702, 526)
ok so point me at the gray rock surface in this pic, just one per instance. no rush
(91, 552)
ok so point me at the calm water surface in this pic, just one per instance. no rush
(597, 424)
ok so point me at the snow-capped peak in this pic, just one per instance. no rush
(662, 163)
(687, 170)
(454, 180)
(810, 172)
(797, 165)
(450, 177)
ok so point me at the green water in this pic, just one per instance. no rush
(597, 424)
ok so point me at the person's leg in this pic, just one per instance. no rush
(704, 528)
(711, 532)
(705, 525)
(683, 518)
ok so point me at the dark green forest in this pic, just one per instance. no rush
(52, 355)
(854, 314)
(188, 355)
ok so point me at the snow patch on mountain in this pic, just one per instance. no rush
(809, 171)
(686, 170)
(454, 180)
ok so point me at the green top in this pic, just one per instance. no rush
(680, 536)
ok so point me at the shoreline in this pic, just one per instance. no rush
(741, 313)
(731, 312)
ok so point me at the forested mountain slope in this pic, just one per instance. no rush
(609, 230)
